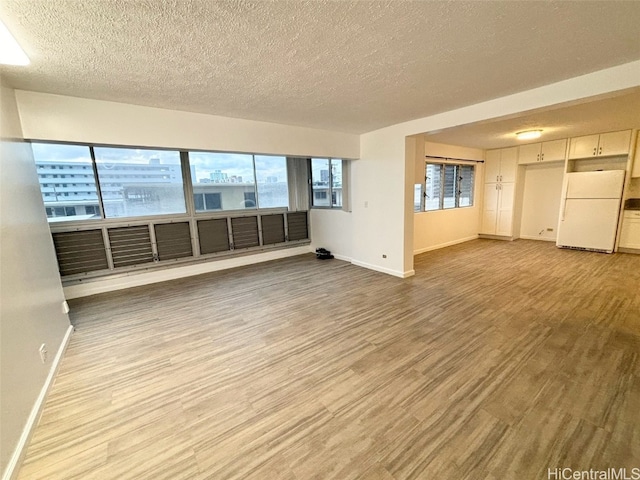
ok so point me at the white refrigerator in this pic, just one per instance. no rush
(589, 210)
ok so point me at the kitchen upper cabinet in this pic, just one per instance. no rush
(542, 152)
(603, 145)
(501, 165)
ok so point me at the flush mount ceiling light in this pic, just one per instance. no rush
(528, 134)
(10, 52)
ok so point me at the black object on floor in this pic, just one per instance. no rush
(323, 254)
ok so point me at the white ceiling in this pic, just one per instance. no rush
(351, 66)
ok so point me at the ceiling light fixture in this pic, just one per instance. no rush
(529, 134)
(10, 52)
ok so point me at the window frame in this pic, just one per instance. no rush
(443, 164)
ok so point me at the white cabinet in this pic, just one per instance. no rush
(603, 145)
(630, 233)
(501, 167)
(542, 152)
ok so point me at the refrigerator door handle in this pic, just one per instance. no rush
(564, 209)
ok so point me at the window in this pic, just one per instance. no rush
(446, 186)
(336, 183)
(326, 182)
(113, 187)
(58, 205)
(320, 181)
(271, 177)
(132, 195)
(228, 179)
(250, 199)
(465, 185)
(433, 185)
(417, 197)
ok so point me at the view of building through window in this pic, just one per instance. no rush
(226, 181)
(82, 182)
(222, 181)
(271, 175)
(139, 182)
(326, 182)
(67, 184)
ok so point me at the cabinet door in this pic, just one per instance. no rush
(614, 143)
(529, 154)
(505, 209)
(492, 166)
(630, 234)
(584, 147)
(554, 151)
(489, 209)
(509, 164)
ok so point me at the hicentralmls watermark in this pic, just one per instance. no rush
(592, 474)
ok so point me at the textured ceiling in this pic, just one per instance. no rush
(351, 66)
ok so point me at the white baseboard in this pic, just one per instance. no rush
(388, 271)
(136, 279)
(342, 257)
(13, 467)
(531, 237)
(446, 244)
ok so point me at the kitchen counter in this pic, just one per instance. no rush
(632, 204)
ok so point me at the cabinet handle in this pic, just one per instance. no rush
(600, 151)
(496, 186)
(538, 158)
(595, 150)
(542, 157)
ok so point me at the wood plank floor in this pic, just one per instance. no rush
(498, 360)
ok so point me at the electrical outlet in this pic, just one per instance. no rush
(44, 354)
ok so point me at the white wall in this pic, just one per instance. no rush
(331, 229)
(541, 201)
(385, 166)
(441, 228)
(55, 117)
(31, 292)
(382, 192)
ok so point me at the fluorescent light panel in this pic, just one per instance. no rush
(10, 52)
(529, 134)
